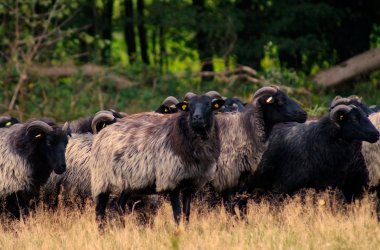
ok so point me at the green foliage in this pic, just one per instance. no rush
(287, 41)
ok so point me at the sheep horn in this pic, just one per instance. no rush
(188, 96)
(101, 116)
(214, 95)
(338, 100)
(354, 97)
(117, 114)
(170, 100)
(264, 91)
(46, 128)
(334, 112)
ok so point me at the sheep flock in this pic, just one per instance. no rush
(204, 147)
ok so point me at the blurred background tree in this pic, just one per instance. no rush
(67, 58)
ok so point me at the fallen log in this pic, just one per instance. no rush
(89, 70)
(361, 64)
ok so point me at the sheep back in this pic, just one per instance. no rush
(15, 170)
(147, 150)
(242, 141)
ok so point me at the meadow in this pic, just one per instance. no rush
(321, 223)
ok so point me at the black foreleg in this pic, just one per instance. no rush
(17, 205)
(243, 210)
(186, 199)
(176, 205)
(122, 202)
(227, 201)
(101, 204)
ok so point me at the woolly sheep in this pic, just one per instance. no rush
(155, 153)
(75, 183)
(29, 152)
(316, 154)
(244, 134)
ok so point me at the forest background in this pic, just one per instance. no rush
(70, 58)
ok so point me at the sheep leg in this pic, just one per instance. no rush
(176, 205)
(17, 205)
(12, 206)
(243, 207)
(101, 204)
(122, 202)
(227, 201)
(186, 198)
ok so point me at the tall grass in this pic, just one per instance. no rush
(293, 225)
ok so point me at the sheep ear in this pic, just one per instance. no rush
(66, 128)
(163, 109)
(217, 104)
(270, 100)
(184, 106)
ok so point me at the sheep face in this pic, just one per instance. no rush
(200, 110)
(51, 146)
(280, 108)
(354, 125)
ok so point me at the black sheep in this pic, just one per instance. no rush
(317, 154)
(29, 152)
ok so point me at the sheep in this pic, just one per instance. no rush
(155, 153)
(316, 154)
(243, 138)
(168, 106)
(7, 121)
(76, 181)
(371, 154)
(29, 152)
(83, 125)
(231, 104)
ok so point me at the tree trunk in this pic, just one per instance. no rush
(129, 32)
(107, 31)
(161, 35)
(86, 50)
(355, 66)
(142, 31)
(205, 54)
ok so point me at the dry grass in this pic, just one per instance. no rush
(294, 225)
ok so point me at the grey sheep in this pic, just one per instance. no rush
(156, 153)
(75, 183)
(243, 137)
(29, 152)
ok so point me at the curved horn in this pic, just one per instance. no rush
(40, 125)
(214, 95)
(170, 100)
(101, 116)
(264, 91)
(338, 100)
(188, 96)
(117, 114)
(339, 108)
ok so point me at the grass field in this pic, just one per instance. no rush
(294, 225)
